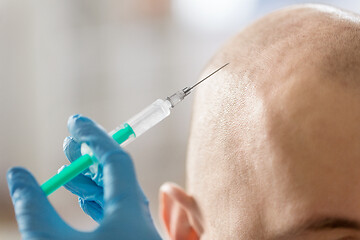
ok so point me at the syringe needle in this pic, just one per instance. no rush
(189, 89)
(180, 95)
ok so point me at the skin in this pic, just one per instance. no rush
(274, 149)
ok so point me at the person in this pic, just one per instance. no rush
(273, 151)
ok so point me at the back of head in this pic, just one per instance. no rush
(275, 126)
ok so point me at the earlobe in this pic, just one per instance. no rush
(179, 213)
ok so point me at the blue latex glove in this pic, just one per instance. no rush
(87, 186)
(125, 208)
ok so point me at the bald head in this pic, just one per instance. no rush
(274, 151)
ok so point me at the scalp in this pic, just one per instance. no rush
(287, 47)
(293, 47)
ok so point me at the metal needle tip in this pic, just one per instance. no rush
(189, 89)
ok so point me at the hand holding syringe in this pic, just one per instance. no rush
(123, 135)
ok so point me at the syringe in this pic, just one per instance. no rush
(123, 135)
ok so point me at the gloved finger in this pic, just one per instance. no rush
(91, 199)
(35, 215)
(86, 189)
(93, 209)
(85, 130)
(119, 174)
(72, 150)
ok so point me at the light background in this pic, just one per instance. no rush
(106, 60)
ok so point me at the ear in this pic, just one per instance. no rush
(180, 213)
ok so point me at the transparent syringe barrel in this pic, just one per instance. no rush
(150, 116)
(137, 125)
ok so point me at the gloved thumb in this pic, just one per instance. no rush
(35, 215)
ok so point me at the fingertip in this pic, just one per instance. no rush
(22, 184)
(170, 187)
(82, 128)
(72, 149)
(67, 142)
(78, 120)
(176, 192)
(13, 172)
(165, 187)
(18, 173)
(74, 117)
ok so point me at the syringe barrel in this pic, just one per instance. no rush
(137, 125)
(150, 116)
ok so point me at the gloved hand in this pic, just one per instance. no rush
(125, 208)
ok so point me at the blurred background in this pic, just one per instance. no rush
(107, 60)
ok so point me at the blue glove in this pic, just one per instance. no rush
(87, 186)
(124, 209)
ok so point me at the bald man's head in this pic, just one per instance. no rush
(274, 151)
